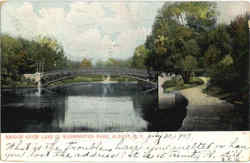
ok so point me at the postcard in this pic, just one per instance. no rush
(125, 80)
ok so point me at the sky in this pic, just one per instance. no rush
(96, 30)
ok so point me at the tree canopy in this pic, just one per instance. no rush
(85, 63)
(174, 42)
(20, 56)
(185, 36)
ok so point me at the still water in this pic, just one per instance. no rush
(81, 107)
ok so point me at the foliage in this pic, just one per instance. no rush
(187, 64)
(174, 41)
(20, 56)
(86, 63)
(230, 68)
(140, 54)
(73, 64)
(185, 37)
(238, 30)
(112, 62)
(177, 83)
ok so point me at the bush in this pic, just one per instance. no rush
(179, 82)
(170, 83)
(195, 81)
(175, 82)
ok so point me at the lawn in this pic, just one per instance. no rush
(178, 84)
(78, 79)
(121, 79)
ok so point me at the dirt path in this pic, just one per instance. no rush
(207, 113)
(195, 95)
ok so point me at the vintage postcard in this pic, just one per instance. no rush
(125, 80)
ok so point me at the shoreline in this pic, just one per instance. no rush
(69, 84)
(96, 82)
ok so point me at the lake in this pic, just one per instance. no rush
(82, 107)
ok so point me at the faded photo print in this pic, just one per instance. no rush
(135, 66)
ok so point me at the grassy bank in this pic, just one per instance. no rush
(121, 79)
(19, 84)
(178, 84)
(89, 78)
(232, 97)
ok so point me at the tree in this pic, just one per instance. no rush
(73, 64)
(20, 56)
(211, 56)
(51, 53)
(49, 42)
(238, 30)
(100, 64)
(227, 56)
(86, 63)
(219, 50)
(199, 16)
(140, 54)
(187, 64)
(176, 32)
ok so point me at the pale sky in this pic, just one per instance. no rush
(96, 30)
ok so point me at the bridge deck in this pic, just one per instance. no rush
(138, 74)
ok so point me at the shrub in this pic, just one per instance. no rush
(179, 82)
(196, 81)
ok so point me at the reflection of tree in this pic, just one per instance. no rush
(145, 104)
(168, 119)
(38, 114)
(61, 110)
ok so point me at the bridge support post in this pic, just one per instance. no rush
(160, 83)
(38, 77)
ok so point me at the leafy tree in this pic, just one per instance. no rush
(227, 56)
(199, 16)
(20, 56)
(86, 63)
(175, 36)
(212, 55)
(238, 30)
(100, 64)
(73, 64)
(140, 54)
(113, 62)
(187, 64)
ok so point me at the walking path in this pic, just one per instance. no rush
(207, 113)
(195, 95)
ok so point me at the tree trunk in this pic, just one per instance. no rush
(186, 76)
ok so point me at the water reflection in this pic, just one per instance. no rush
(106, 114)
(86, 107)
(169, 118)
(24, 111)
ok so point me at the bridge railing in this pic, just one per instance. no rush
(141, 73)
(127, 70)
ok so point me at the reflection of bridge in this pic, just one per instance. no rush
(44, 79)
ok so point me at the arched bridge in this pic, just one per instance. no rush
(47, 78)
